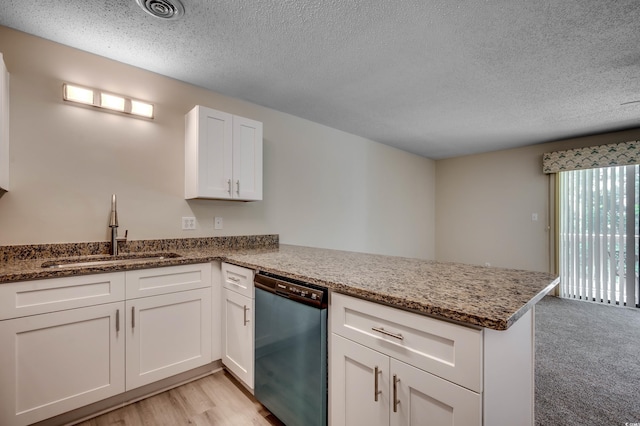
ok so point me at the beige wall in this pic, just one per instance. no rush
(484, 205)
(322, 187)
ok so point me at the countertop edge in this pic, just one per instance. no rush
(532, 302)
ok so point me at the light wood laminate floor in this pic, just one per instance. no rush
(217, 399)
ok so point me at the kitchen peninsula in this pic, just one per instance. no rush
(474, 295)
(494, 305)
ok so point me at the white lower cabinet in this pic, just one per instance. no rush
(357, 398)
(371, 388)
(60, 361)
(392, 367)
(238, 322)
(69, 342)
(419, 397)
(237, 335)
(167, 334)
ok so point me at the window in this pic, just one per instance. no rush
(598, 228)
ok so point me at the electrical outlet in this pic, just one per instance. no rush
(188, 223)
(217, 222)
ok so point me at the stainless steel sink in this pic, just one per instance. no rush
(83, 261)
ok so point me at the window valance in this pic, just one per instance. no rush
(615, 154)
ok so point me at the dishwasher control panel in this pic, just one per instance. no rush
(298, 291)
(305, 292)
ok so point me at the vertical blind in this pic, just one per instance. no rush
(599, 235)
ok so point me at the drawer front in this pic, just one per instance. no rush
(56, 294)
(170, 279)
(446, 350)
(238, 279)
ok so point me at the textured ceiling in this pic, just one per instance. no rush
(439, 78)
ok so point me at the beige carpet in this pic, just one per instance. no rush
(587, 364)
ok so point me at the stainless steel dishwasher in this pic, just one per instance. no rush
(291, 349)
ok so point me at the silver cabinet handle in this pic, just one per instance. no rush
(376, 392)
(229, 186)
(117, 320)
(238, 187)
(234, 279)
(396, 401)
(245, 315)
(133, 317)
(388, 333)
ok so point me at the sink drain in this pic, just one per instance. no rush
(163, 9)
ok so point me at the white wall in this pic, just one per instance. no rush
(323, 187)
(484, 205)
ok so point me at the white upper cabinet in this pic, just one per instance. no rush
(4, 127)
(223, 156)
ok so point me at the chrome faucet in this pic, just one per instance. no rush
(113, 224)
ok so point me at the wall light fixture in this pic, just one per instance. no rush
(106, 100)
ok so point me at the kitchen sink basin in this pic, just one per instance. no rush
(101, 260)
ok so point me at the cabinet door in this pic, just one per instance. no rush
(57, 362)
(216, 309)
(167, 335)
(208, 153)
(419, 398)
(247, 159)
(352, 384)
(4, 127)
(237, 335)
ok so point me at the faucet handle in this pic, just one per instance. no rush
(123, 239)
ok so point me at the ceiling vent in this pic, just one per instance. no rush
(163, 9)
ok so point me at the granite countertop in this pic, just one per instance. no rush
(21, 263)
(473, 295)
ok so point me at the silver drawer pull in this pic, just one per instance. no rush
(376, 392)
(388, 333)
(234, 279)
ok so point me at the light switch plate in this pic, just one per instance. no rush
(217, 222)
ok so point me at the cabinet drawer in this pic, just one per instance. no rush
(170, 279)
(446, 350)
(238, 279)
(55, 294)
